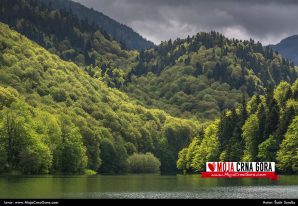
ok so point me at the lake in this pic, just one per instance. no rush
(145, 186)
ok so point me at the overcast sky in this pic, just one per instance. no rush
(267, 21)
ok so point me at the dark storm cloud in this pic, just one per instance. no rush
(267, 21)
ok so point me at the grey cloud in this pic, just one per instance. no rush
(267, 21)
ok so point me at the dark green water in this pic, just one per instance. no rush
(145, 186)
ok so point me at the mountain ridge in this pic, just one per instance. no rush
(288, 47)
(120, 32)
(64, 34)
(205, 74)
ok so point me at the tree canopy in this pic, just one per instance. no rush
(203, 75)
(268, 132)
(56, 118)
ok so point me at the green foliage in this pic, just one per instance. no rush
(282, 93)
(36, 158)
(272, 114)
(229, 134)
(114, 157)
(143, 163)
(265, 129)
(108, 154)
(75, 120)
(59, 95)
(186, 155)
(194, 157)
(90, 172)
(178, 133)
(166, 156)
(208, 150)
(203, 75)
(71, 155)
(287, 155)
(295, 90)
(267, 150)
(23, 148)
(251, 137)
(3, 157)
(130, 148)
(182, 161)
(7, 96)
(92, 142)
(123, 34)
(71, 38)
(56, 117)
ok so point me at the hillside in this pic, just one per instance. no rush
(263, 130)
(72, 39)
(121, 33)
(56, 118)
(195, 77)
(205, 74)
(288, 48)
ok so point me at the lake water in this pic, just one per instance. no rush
(145, 186)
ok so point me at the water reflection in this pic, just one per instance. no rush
(145, 186)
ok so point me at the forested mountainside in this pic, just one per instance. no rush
(56, 118)
(64, 34)
(265, 129)
(194, 77)
(205, 74)
(288, 48)
(121, 33)
(67, 117)
(61, 32)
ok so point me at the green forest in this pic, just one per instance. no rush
(72, 39)
(263, 129)
(123, 34)
(56, 118)
(74, 100)
(203, 75)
